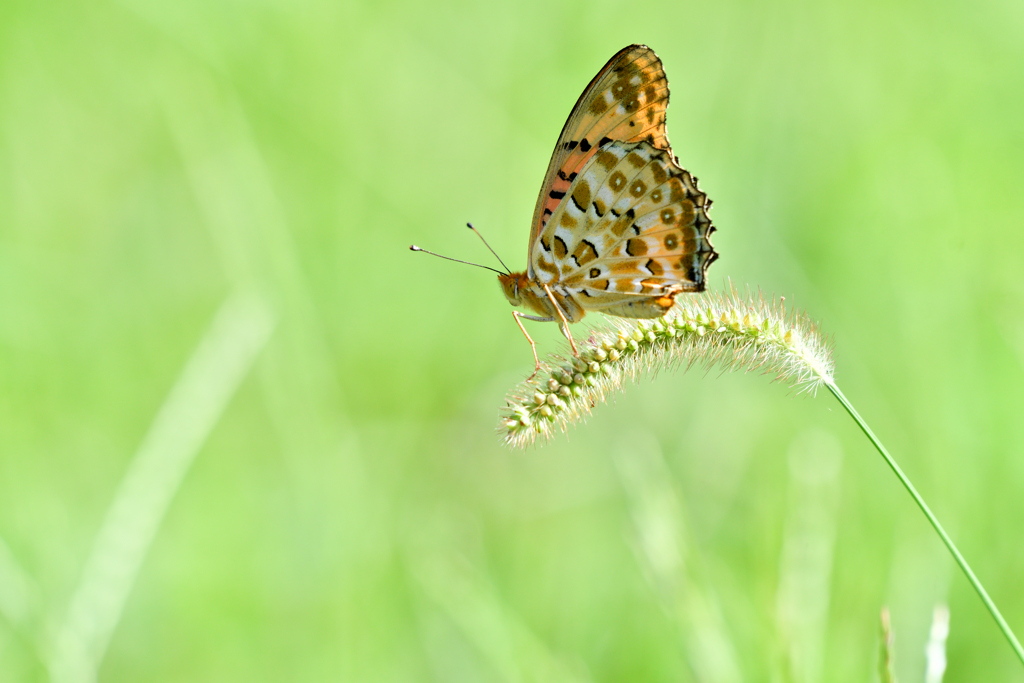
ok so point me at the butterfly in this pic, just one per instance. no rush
(619, 226)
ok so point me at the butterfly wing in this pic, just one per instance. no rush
(626, 100)
(633, 225)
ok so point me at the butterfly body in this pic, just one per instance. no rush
(520, 290)
(619, 227)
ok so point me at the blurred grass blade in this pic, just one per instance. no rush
(18, 591)
(885, 649)
(935, 651)
(449, 577)
(195, 404)
(662, 541)
(805, 563)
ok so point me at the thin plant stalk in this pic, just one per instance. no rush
(729, 331)
(978, 588)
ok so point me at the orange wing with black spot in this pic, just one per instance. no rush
(634, 225)
(626, 101)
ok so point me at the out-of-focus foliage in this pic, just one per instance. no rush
(346, 511)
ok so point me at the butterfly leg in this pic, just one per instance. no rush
(565, 323)
(517, 315)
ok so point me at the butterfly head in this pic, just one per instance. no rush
(513, 284)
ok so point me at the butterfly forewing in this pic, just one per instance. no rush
(625, 101)
(633, 224)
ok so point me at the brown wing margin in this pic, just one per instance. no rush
(626, 100)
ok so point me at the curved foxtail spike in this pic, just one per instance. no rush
(470, 226)
(413, 247)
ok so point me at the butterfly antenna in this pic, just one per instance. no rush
(449, 258)
(470, 226)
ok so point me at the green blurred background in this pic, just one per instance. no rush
(205, 209)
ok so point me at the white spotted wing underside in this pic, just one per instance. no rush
(633, 225)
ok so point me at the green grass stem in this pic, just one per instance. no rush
(978, 588)
(729, 330)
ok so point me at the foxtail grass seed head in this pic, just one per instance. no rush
(728, 331)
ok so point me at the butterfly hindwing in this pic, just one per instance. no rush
(633, 224)
(625, 101)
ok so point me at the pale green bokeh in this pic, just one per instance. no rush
(351, 515)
